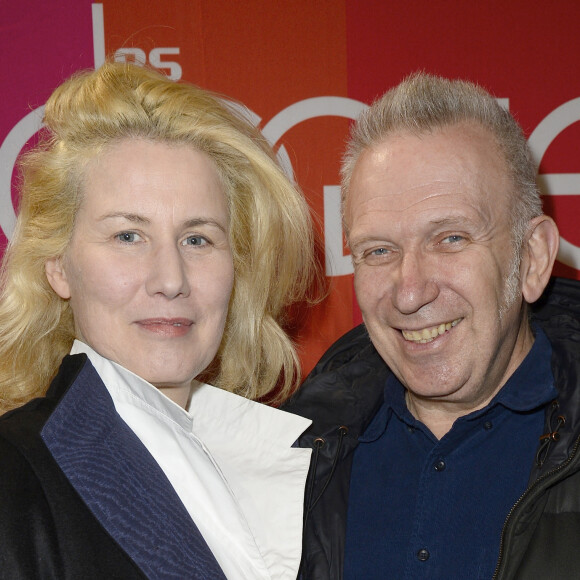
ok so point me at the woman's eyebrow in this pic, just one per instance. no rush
(139, 219)
(131, 217)
(194, 222)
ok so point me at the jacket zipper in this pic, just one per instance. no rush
(523, 497)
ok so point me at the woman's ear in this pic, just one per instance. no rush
(56, 277)
(538, 256)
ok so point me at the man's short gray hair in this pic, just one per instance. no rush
(422, 103)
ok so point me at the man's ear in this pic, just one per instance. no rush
(56, 277)
(538, 255)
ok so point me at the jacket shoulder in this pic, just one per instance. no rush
(26, 523)
(47, 530)
(559, 305)
(558, 313)
(354, 344)
(22, 426)
(28, 473)
(344, 388)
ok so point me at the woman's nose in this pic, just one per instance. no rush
(167, 275)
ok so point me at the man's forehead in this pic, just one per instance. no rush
(465, 136)
(408, 169)
(407, 160)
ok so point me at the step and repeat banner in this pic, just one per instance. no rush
(305, 69)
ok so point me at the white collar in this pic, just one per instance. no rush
(250, 443)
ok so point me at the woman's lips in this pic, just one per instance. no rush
(170, 327)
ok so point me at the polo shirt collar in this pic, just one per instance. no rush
(529, 387)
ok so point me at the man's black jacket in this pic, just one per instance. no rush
(541, 535)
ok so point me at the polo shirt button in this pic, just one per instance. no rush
(440, 465)
(423, 555)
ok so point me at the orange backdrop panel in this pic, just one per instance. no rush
(269, 60)
(287, 61)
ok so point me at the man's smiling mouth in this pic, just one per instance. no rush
(428, 334)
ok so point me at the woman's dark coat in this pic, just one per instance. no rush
(81, 498)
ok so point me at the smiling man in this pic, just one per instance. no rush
(445, 428)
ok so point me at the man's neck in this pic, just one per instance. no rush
(438, 421)
(438, 415)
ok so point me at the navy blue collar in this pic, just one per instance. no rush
(121, 483)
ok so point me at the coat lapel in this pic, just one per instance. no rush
(121, 483)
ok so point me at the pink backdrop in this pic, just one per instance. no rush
(305, 69)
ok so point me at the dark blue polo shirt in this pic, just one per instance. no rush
(426, 508)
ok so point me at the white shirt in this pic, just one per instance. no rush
(231, 463)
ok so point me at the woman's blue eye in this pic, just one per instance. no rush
(195, 241)
(127, 237)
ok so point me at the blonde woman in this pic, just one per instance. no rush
(157, 241)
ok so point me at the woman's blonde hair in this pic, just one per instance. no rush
(271, 233)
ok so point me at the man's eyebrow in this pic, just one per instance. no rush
(451, 221)
(364, 240)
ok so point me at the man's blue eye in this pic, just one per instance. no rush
(453, 239)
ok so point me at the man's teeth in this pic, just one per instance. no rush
(428, 334)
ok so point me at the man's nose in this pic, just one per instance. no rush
(414, 283)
